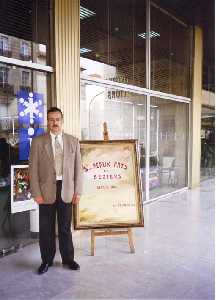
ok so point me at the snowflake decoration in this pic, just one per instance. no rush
(32, 107)
(30, 117)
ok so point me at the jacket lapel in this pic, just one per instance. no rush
(66, 145)
(67, 148)
(48, 147)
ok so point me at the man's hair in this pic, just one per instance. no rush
(54, 109)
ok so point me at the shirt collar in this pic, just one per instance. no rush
(54, 135)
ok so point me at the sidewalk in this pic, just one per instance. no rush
(174, 258)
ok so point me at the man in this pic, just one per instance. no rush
(56, 181)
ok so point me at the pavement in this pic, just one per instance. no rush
(174, 258)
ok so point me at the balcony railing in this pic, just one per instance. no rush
(7, 53)
(26, 57)
(26, 88)
(6, 88)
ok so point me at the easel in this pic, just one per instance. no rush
(109, 231)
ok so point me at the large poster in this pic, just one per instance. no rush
(21, 199)
(111, 186)
(31, 120)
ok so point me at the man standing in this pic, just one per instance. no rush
(56, 181)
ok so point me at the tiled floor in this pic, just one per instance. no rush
(174, 258)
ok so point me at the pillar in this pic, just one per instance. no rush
(67, 65)
(196, 108)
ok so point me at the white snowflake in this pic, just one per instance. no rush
(31, 107)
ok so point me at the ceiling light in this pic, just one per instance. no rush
(207, 116)
(86, 13)
(152, 34)
(84, 50)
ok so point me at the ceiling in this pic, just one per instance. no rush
(202, 13)
(197, 12)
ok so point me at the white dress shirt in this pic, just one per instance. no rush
(60, 140)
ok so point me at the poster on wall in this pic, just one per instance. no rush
(111, 186)
(31, 119)
(21, 199)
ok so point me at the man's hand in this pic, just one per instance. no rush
(39, 199)
(75, 199)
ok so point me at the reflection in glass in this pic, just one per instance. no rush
(170, 54)
(26, 36)
(15, 228)
(113, 40)
(207, 143)
(123, 111)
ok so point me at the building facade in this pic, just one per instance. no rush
(132, 64)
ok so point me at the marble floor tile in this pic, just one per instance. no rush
(174, 258)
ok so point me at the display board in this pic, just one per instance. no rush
(21, 199)
(111, 186)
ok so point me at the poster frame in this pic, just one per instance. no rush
(138, 190)
(20, 205)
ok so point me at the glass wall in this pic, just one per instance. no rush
(168, 146)
(207, 142)
(16, 132)
(24, 38)
(170, 54)
(113, 46)
(113, 40)
(123, 111)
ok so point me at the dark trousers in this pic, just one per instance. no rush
(47, 220)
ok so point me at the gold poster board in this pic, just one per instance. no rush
(111, 186)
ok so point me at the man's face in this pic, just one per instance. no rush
(55, 122)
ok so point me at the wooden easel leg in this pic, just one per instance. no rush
(92, 242)
(130, 240)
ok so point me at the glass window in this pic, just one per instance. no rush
(4, 43)
(25, 30)
(168, 146)
(170, 54)
(3, 76)
(124, 112)
(25, 79)
(21, 117)
(4, 46)
(207, 142)
(13, 116)
(113, 40)
(25, 50)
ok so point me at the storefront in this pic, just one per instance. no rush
(138, 86)
(24, 92)
(127, 63)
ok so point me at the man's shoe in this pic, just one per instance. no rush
(72, 265)
(44, 268)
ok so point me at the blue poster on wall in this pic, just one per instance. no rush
(31, 120)
(30, 107)
(25, 138)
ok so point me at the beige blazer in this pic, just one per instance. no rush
(42, 169)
